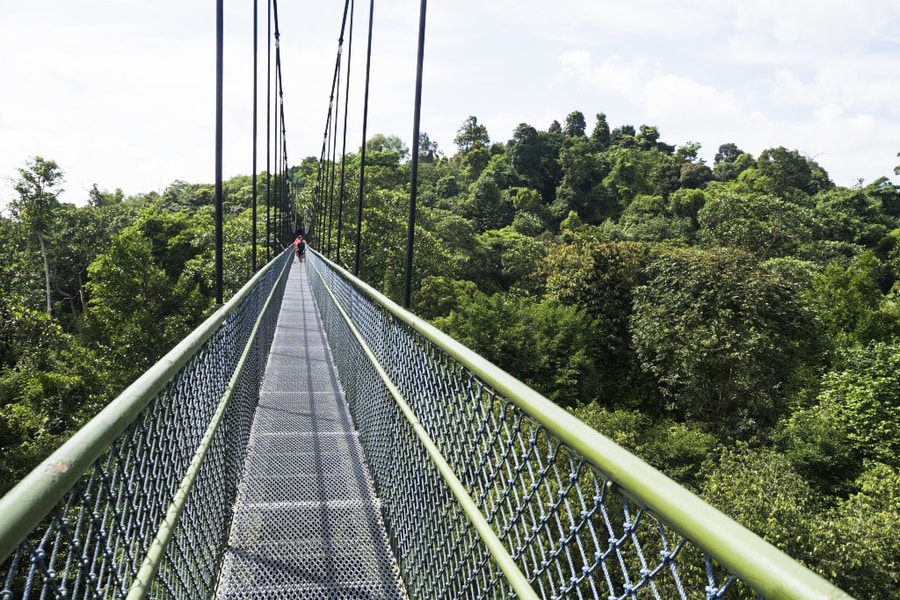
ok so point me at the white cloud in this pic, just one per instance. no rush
(789, 89)
(830, 120)
(121, 94)
(657, 94)
(629, 78)
(672, 96)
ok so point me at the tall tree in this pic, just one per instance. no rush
(850, 307)
(428, 150)
(525, 152)
(648, 138)
(727, 153)
(471, 134)
(788, 171)
(135, 312)
(856, 542)
(600, 135)
(575, 124)
(756, 222)
(97, 198)
(599, 277)
(38, 187)
(723, 335)
(535, 158)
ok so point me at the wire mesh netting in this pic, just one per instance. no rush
(96, 539)
(573, 531)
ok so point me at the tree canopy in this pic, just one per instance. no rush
(735, 324)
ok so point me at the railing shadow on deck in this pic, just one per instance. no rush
(490, 490)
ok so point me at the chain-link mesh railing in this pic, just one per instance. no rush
(138, 502)
(556, 504)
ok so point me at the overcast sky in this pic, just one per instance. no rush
(121, 93)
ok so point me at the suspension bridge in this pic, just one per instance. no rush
(313, 439)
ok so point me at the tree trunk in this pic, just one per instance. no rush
(46, 274)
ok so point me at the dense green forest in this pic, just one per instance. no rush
(737, 325)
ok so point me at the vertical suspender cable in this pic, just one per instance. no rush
(268, 131)
(220, 34)
(317, 201)
(326, 170)
(414, 169)
(334, 140)
(289, 222)
(335, 92)
(276, 218)
(255, 79)
(283, 189)
(279, 185)
(279, 164)
(362, 152)
(322, 183)
(282, 133)
(320, 186)
(276, 205)
(344, 147)
(285, 173)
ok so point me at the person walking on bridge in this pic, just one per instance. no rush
(300, 247)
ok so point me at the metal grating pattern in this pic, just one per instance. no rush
(306, 520)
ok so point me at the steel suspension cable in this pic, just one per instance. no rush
(323, 172)
(284, 206)
(285, 181)
(277, 165)
(414, 168)
(288, 212)
(335, 85)
(362, 152)
(255, 103)
(268, 132)
(334, 141)
(320, 184)
(278, 215)
(318, 205)
(220, 60)
(344, 147)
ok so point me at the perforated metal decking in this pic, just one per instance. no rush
(307, 523)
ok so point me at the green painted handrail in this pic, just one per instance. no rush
(35, 496)
(760, 564)
(143, 582)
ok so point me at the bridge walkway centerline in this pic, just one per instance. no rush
(307, 522)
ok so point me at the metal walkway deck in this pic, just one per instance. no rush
(307, 523)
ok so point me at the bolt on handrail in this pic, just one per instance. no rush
(84, 521)
(578, 514)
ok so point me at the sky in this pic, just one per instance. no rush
(121, 94)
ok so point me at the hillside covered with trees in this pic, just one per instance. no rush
(737, 325)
